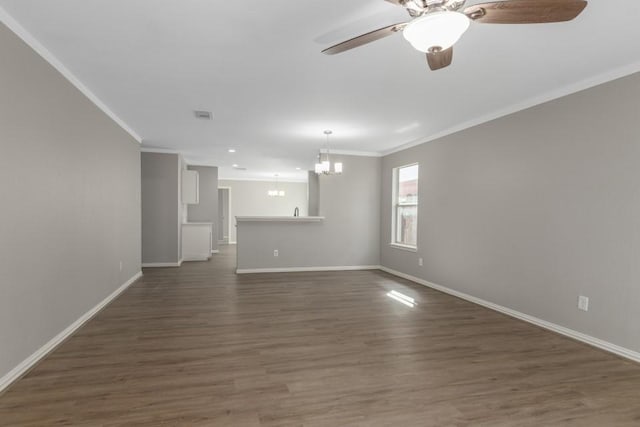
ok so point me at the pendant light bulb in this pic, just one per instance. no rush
(324, 162)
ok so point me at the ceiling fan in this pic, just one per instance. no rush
(438, 24)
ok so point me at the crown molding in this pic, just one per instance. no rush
(200, 165)
(352, 153)
(34, 44)
(281, 180)
(159, 150)
(191, 162)
(567, 90)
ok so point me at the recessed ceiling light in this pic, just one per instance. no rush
(232, 150)
(298, 169)
(235, 165)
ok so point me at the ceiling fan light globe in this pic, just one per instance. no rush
(439, 30)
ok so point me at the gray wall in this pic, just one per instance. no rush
(533, 209)
(313, 191)
(161, 208)
(349, 235)
(70, 191)
(249, 198)
(207, 209)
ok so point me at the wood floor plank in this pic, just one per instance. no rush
(201, 346)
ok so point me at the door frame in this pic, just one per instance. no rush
(228, 218)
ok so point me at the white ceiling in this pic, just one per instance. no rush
(257, 66)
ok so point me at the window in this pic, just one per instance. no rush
(405, 207)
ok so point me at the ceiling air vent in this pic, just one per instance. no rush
(204, 115)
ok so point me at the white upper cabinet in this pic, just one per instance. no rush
(190, 187)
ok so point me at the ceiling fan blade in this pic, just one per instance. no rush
(525, 11)
(440, 59)
(364, 39)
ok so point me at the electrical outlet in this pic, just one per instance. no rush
(120, 266)
(420, 262)
(275, 252)
(583, 303)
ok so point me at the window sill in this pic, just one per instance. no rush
(404, 247)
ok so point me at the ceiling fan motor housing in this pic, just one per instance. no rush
(442, 4)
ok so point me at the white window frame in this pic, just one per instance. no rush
(395, 205)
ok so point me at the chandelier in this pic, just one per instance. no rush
(277, 192)
(324, 161)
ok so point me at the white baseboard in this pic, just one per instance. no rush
(587, 339)
(233, 243)
(306, 269)
(215, 251)
(162, 264)
(196, 258)
(17, 372)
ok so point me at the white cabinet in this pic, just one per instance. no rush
(190, 187)
(197, 241)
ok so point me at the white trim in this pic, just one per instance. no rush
(162, 264)
(291, 180)
(159, 151)
(232, 243)
(279, 219)
(395, 185)
(17, 372)
(32, 42)
(200, 165)
(228, 217)
(587, 339)
(306, 269)
(404, 247)
(527, 103)
(196, 257)
(215, 251)
(352, 153)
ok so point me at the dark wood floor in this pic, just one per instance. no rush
(199, 345)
